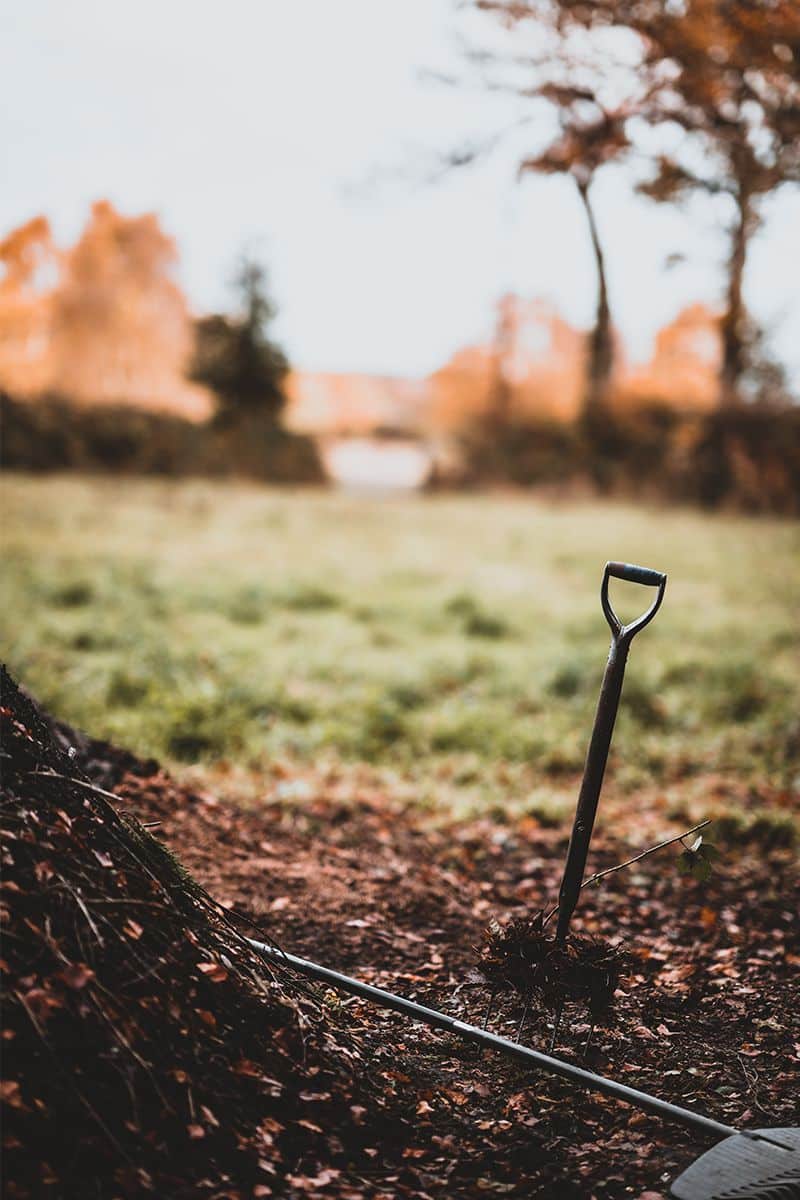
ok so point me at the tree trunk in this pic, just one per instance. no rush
(601, 345)
(505, 336)
(734, 322)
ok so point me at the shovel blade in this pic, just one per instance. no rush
(762, 1164)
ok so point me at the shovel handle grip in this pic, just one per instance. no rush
(633, 574)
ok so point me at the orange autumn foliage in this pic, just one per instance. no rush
(104, 323)
(684, 369)
(533, 369)
(29, 260)
(536, 370)
(100, 323)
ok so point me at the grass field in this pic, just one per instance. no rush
(455, 643)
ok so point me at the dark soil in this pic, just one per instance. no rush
(338, 1098)
(147, 1048)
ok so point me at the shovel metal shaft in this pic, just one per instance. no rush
(606, 715)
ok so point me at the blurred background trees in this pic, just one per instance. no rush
(590, 137)
(235, 356)
(102, 321)
(719, 87)
(586, 99)
(673, 99)
(103, 368)
(729, 80)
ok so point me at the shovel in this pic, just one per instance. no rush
(606, 715)
(757, 1164)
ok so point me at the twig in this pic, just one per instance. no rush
(630, 861)
(115, 823)
(523, 1018)
(78, 900)
(81, 783)
(644, 854)
(556, 1025)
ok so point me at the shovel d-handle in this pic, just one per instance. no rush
(631, 574)
(607, 705)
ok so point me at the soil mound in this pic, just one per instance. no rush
(146, 1047)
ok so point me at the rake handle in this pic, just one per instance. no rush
(482, 1037)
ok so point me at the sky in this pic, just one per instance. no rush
(309, 134)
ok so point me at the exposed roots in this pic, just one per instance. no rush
(522, 957)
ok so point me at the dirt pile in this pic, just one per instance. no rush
(146, 1048)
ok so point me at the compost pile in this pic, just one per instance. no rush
(146, 1048)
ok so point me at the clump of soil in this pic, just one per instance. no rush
(522, 957)
(147, 1049)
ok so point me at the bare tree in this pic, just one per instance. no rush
(728, 76)
(590, 138)
(736, 90)
(587, 93)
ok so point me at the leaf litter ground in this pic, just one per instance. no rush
(148, 1051)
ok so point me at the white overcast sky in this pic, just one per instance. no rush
(304, 129)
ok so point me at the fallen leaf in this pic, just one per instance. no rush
(77, 975)
(213, 971)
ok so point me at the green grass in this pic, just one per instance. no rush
(457, 641)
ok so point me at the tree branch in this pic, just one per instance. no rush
(629, 862)
(637, 858)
